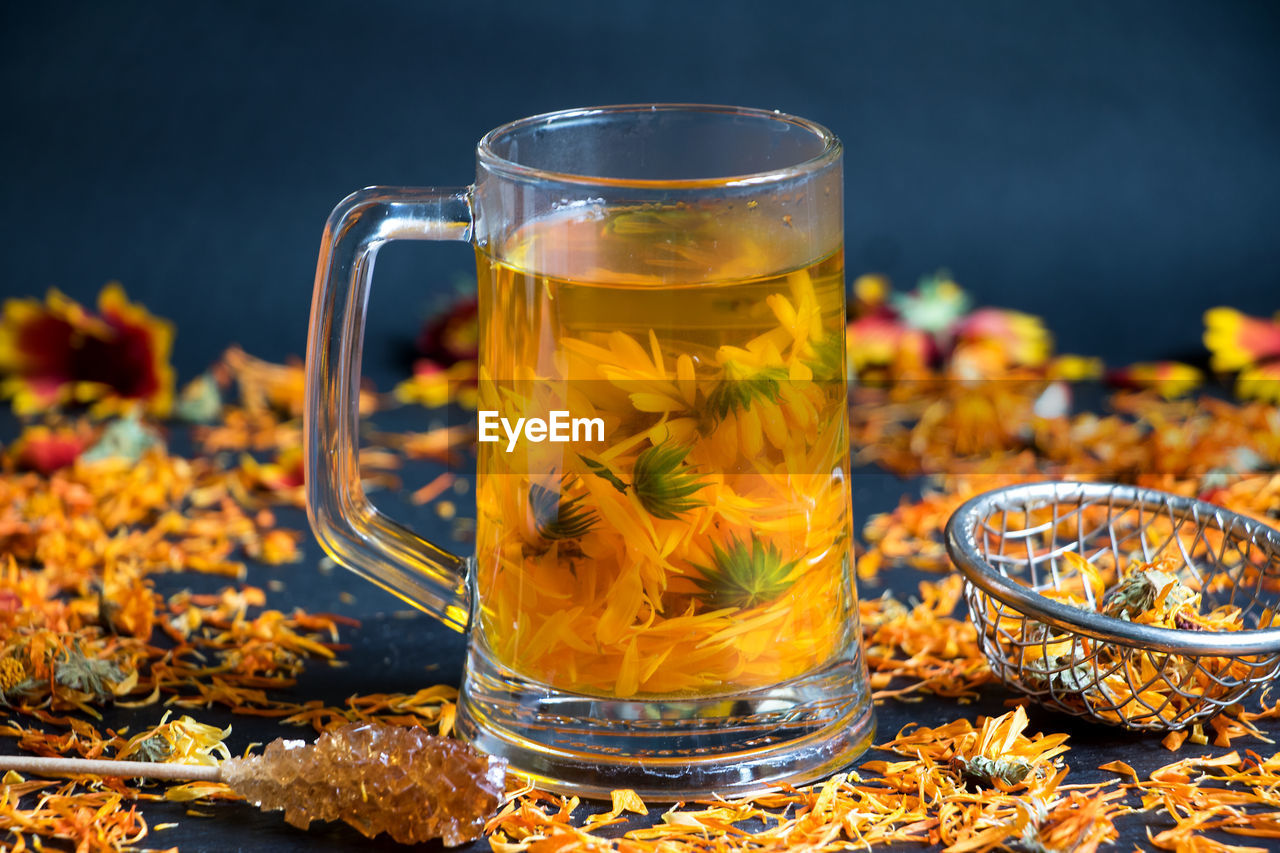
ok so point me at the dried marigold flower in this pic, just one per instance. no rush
(12, 673)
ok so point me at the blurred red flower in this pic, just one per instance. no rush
(46, 449)
(1021, 337)
(57, 353)
(452, 335)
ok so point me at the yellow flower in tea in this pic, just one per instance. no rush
(663, 483)
(703, 545)
(745, 574)
(555, 517)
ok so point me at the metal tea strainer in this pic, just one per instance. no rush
(1011, 545)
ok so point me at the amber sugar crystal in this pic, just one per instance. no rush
(403, 781)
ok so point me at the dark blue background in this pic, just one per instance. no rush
(1113, 166)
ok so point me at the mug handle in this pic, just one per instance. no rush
(350, 529)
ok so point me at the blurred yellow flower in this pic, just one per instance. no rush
(1022, 337)
(434, 386)
(1075, 368)
(1236, 340)
(1169, 379)
(1250, 345)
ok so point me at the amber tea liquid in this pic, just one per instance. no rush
(703, 546)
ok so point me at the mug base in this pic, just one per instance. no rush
(669, 749)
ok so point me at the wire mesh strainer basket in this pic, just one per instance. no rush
(1012, 546)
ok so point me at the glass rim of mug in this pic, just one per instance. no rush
(509, 168)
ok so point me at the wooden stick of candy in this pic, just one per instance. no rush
(406, 782)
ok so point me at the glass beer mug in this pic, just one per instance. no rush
(661, 594)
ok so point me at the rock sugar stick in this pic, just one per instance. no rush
(403, 781)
